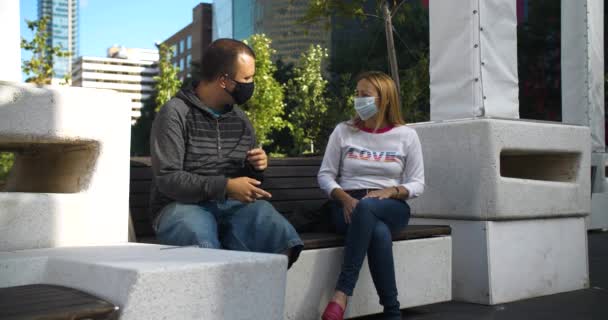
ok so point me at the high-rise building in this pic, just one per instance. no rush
(126, 70)
(277, 19)
(222, 19)
(290, 38)
(243, 18)
(63, 28)
(191, 41)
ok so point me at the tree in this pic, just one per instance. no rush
(40, 66)
(167, 84)
(307, 92)
(6, 163)
(140, 132)
(415, 91)
(265, 109)
(359, 45)
(357, 9)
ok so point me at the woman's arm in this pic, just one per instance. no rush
(331, 164)
(413, 175)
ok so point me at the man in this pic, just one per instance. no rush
(207, 169)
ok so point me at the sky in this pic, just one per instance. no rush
(130, 23)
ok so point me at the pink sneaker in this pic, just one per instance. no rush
(333, 311)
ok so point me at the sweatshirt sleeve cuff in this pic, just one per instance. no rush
(411, 190)
(218, 188)
(330, 187)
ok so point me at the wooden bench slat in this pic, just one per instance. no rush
(292, 205)
(289, 171)
(293, 184)
(141, 173)
(330, 240)
(52, 302)
(297, 194)
(290, 183)
(313, 161)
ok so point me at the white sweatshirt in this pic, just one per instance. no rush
(359, 159)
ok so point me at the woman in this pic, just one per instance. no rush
(372, 164)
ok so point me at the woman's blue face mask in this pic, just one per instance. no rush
(366, 107)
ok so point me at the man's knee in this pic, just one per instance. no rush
(188, 224)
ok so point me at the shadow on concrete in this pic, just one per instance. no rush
(585, 304)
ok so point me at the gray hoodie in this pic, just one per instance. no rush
(195, 151)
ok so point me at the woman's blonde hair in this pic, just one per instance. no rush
(388, 98)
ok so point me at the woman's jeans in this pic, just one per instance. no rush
(370, 232)
(231, 225)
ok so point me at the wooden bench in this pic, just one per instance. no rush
(42, 301)
(294, 188)
(422, 252)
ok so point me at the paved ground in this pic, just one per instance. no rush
(591, 303)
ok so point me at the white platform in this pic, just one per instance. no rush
(598, 219)
(423, 270)
(495, 169)
(152, 282)
(70, 182)
(501, 261)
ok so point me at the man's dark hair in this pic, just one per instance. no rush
(220, 58)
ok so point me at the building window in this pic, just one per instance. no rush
(174, 48)
(189, 42)
(181, 46)
(189, 61)
(181, 64)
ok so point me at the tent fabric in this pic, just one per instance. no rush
(473, 59)
(582, 59)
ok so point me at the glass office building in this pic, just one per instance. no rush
(243, 17)
(222, 19)
(63, 31)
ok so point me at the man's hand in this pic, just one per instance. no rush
(258, 159)
(245, 189)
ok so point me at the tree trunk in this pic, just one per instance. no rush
(390, 44)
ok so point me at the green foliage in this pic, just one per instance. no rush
(40, 66)
(360, 45)
(307, 92)
(167, 84)
(318, 9)
(415, 91)
(6, 163)
(140, 132)
(265, 109)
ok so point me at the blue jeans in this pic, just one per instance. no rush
(231, 225)
(373, 222)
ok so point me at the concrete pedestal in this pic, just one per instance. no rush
(598, 219)
(502, 261)
(70, 182)
(497, 169)
(422, 266)
(152, 282)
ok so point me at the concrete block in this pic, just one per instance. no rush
(70, 182)
(423, 269)
(497, 169)
(502, 261)
(598, 219)
(160, 282)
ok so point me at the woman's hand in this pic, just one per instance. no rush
(386, 193)
(348, 204)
